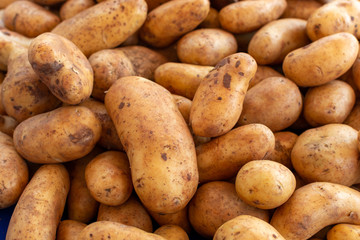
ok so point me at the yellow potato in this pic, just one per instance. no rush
(172, 232)
(344, 231)
(284, 143)
(72, 7)
(69, 229)
(300, 8)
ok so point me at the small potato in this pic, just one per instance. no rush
(344, 231)
(72, 7)
(300, 8)
(7, 125)
(262, 73)
(108, 178)
(29, 19)
(265, 184)
(276, 39)
(179, 218)
(61, 135)
(206, 46)
(184, 106)
(353, 119)
(275, 102)
(328, 103)
(284, 143)
(69, 229)
(211, 20)
(321, 61)
(172, 232)
(167, 22)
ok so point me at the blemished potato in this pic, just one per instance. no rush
(329, 103)
(262, 73)
(112, 22)
(327, 154)
(179, 218)
(215, 203)
(206, 46)
(72, 7)
(222, 157)
(14, 173)
(157, 141)
(321, 61)
(271, 43)
(247, 16)
(343, 231)
(108, 178)
(41, 205)
(62, 67)
(353, 119)
(61, 135)
(326, 204)
(284, 143)
(218, 101)
(69, 229)
(7, 124)
(275, 102)
(29, 19)
(172, 232)
(264, 184)
(181, 78)
(130, 213)
(300, 8)
(211, 20)
(247, 227)
(184, 106)
(167, 22)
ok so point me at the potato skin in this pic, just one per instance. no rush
(72, 7)
(61, 135)
(343, 231)
(157, 140)
(41, 204)
(353, 119)
(7, 125)
(300, 8)
(184, 106)
(172, 232)
(211, 20)
(262, 73)
(179, 218)
(120, 18)
(69, 229)
(284, 143)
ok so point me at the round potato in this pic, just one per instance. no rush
(69, 229)
(343, 231)
(72, 7)
(172, 232)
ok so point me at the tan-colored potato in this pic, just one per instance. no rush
(344, 231)
(211, 20)
(61, 135)
(247, 16)
(214, 204)
(7, 125)
(14, 174)
(272, 42)
(167, 22)
(262, 73)
(112, 22)
(206, 46)
(314, 206)
(62, 67)
(108, 178)
(157, 141)
(172, 232)
(329, 103)
(327, 154)
(321, 61)
(179, 218)
(218, 101)
(41, 205)
(29, 19)
(115, 231)
(247, 227)
(130, 213)
(72, 7)
(300, 8)
(275, 102)
(265, 184)
(222, 157)
(181, 78)
(353, 119)
(69, 229)
(184, 106)
(284, 143)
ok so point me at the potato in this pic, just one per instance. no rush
(214, 204)
(181, 78)
(112, 22)
(14, 174)
(327, 154)
(272, 42)
(247, 16)
(218, 101)
(211, 20)
(22, 93)
(300, 8)
(155, 3)
(184, 106)
(108, 178)
(315, 206)
(132, 40)
(284, 143)
(264, 184)
(206, 46)
(62, 67)
(72, 7)
(41, 205)
(321, 61)
(353, 119)
(329, 103)
(130, 213)
(247, 227)
(172, 232)
(7, 125)
(179, 218)
(61, 135)
(222, 157)
(275, 102)
(344, 231)
(167, 22)
(354, 73)
(157, 141)
(262, 73)
(69, 229)
(29, 19)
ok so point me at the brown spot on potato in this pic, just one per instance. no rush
(82, 137)
(237, 64)
(274, 236)
(227, 81)
(219, 98)
(14, 21)
(47, 68)
(121, 105)
(317, 28)
(221, 63)
(163, 156)
(17, 107)
(188, 177)
(241, 74)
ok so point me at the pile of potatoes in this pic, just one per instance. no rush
(181, 119)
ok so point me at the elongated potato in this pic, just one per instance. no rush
(172, 232)
(321, 61)
(69, 229)
(314, 206)
(300, 8)
(157, 141)
(112, 22)
(7, 124)
(41, 204)
(218, 101)
(61, 135)
(343, 231)
(72, 7)
(179, 218)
